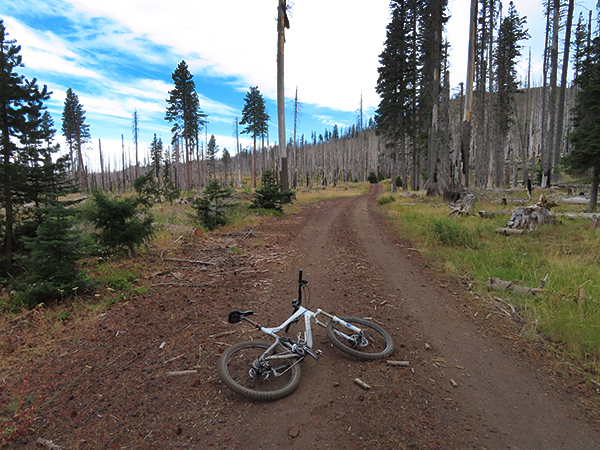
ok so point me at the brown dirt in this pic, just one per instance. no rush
(99, 380)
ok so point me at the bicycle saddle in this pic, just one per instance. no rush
(237, 316)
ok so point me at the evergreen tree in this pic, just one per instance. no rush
(255, 119)
(398, 74)
(226, 160)
(76, 133)
(211, 156)
(585, 155)
(508, 49)
(184, 111)
(156, 157)
(579, 45)
(170, 189)
(52, 261)
(269, 196)
(20, 100)
(211, 208)
(117, 222)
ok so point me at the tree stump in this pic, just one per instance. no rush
(530, 217)
(463, 207)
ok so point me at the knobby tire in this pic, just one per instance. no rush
(234, 369)
(378, 343)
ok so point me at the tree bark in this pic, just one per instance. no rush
(282, 23)
(465, 139)
(561, 98)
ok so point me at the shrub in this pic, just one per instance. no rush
(386, 200)
(451, 233)
(399, 181)
(372, 178)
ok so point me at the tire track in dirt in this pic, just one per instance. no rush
(507, 394)
(354, 267)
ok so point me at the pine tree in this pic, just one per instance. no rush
(53, 260)
(156, 157)
(20, 100)
(117, 222)
(269, 196)
(508, 49)
(585, 155)
(211, 208)
(76, 133)
(184, 111)
(211, 156)
(255, 119)
(398, 74)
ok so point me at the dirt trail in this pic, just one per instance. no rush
(102, 381)
(501, 400)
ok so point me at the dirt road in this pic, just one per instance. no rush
(501, 398)
(471, 384)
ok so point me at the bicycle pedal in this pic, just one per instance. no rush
(319, 352)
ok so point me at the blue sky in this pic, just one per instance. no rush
(118, 55)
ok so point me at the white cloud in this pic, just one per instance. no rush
(46, 52)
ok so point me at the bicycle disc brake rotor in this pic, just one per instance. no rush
(359, 340)
(260, 370)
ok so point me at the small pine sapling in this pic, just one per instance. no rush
(269, 196)
(211, 208)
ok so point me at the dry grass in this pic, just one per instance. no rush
(569, 253)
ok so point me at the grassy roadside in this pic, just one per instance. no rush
(567, 311)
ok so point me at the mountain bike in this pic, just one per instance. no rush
(262, 370)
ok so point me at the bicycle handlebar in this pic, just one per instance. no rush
(297, 302)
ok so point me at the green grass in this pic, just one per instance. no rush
(569, 253)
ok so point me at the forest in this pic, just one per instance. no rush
(497, 131)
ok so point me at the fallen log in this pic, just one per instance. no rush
(486, 214)
(508, 231)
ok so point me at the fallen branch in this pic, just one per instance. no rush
(181, 372)
(208, 283)
(173, 359)
(190, 261)
(509, 231)
(362, 384)
(398, 363)
(225, 333)
(496, 284)
(46, 443)
(512, 308)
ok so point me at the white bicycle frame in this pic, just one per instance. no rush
(307, 339)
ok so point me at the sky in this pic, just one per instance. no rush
(118, 56)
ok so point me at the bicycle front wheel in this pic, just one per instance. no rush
(242, 371)
(373, 343)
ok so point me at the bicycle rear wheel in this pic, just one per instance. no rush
(243, 373)
(375, 342)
